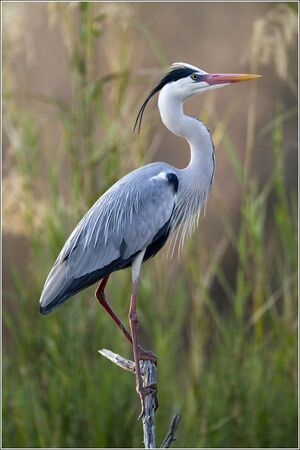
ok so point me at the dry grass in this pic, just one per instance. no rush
(226, 314)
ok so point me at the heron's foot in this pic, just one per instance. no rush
(146, 355)
(143, 392)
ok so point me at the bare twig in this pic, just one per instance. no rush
(149, 375)
(171, 433)
(124, 363)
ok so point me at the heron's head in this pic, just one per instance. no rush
(185, 80)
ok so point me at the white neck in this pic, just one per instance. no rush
(196, 179)
(194, 131)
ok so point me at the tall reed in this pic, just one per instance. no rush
(229, 335)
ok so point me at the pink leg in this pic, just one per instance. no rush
(100, 296)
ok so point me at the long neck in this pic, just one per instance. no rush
(193, 130)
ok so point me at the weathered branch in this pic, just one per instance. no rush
(124, 363)
(171, 433)
(149, 375)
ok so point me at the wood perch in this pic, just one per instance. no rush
(149, 375)
(171, 433)
(118, 360)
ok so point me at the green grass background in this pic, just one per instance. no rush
(226, 339)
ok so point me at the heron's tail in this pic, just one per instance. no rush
(56, 289)
(60, 286)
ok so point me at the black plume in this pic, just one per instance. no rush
(174, 75)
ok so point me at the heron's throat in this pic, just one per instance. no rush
(193, 130)
(196, 179)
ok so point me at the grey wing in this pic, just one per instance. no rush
(124, 221)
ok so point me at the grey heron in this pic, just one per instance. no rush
(133, 219)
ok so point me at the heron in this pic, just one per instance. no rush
(136, 216)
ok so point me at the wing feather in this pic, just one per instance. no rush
(121, 223)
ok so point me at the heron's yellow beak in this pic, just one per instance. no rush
(222, 78)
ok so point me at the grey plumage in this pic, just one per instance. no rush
(121, 223)
(141, 211)
(124, 221)
(132, 221)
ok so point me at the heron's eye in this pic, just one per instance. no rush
(194, 76)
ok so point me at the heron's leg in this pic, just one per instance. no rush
(100, 296)
(143, 391)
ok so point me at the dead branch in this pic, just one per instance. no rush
(149, 375)
(171, 433)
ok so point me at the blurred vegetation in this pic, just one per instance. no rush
(226, 340)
